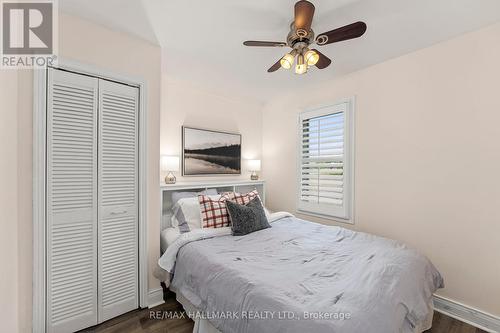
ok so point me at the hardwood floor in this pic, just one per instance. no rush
(139, 321)
(444, 324)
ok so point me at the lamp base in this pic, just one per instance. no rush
(254, 176)
(170, 178)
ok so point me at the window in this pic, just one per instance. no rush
(326, 166)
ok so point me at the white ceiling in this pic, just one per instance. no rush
(202, 40)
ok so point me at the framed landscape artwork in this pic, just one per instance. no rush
(206, 152)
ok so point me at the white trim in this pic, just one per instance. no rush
(96, 71)
(39, 142)
(349, 160)
(467, 314)
(155, 297)
(143, 195)
(39, 226)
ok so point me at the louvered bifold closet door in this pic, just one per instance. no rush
(71, 201)
(118, 199)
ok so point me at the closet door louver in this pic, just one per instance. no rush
(323, 161)
(71, 201)
(118, 199)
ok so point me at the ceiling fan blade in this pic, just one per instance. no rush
(350, 31)
(304, 13)
(323, 61)
(275, 67)
(261, 43)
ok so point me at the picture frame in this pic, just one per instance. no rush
(210, 152)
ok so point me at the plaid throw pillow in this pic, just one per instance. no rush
(241, 199)
(214, 212)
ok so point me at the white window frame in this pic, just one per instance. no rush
(345, 213)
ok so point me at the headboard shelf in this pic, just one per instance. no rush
(209, 184)
(241, 186)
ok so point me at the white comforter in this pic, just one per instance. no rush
(167, 260)
(304, 269)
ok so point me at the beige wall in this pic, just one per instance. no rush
(182, 103)
(185, 104)
(8, 201)
(88, 43)
(427, 157)
(122, 53)
(427, 152)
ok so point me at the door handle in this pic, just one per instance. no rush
(119, 213)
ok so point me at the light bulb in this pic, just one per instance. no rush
(287, 61)
(311, 57)
(301, 69)
(301, 66)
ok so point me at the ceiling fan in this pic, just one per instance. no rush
(301, 36)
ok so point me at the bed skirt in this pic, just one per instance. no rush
(204, 325)
(200, 325)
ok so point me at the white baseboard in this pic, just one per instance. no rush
(155, 297)
(467, 314)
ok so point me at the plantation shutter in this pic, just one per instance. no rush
(118, 199)
(71, 201)
(324, 180)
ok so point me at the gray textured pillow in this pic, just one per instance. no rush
(247, 218)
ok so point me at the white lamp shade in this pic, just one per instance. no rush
(170, 163)
(254, 165)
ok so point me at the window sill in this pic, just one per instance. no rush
(326, 217)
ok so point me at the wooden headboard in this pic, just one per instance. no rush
(222, 186)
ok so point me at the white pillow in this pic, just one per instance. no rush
(187, 214)
(176, 196)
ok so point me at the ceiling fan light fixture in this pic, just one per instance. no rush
(301, 37)
(311, 57)
(301, 69)
(301, 66)
(287, 61)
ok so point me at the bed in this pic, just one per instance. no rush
(167, 237)
(298, 276)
